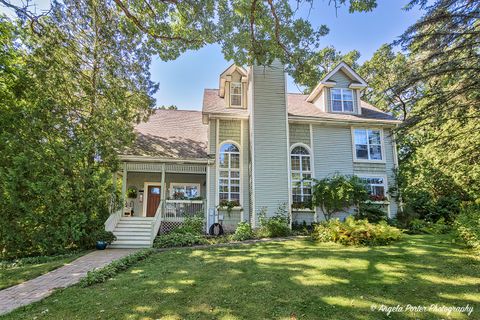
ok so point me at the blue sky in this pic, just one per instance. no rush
(182, 81)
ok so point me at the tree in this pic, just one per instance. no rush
(170, 107)
(88, 82)
(338, 193)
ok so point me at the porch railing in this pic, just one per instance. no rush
(178, 210)
(112, 220)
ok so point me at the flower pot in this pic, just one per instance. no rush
(101, 245)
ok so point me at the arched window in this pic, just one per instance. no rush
(229, 173)
(301, 175)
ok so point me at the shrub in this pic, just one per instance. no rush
(356, 232)
(467, 226)
(243, 232)
(418, 226)
(276, 226)
(103, 235)
(371, 212)
(174, 239)
(105, 273)
(192, 225)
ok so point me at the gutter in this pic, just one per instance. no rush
(306, 119)
(131, 158)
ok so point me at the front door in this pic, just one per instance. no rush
(153, 200)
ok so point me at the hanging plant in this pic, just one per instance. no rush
(132, 193)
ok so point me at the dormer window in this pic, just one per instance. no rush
(236, 94)
(342, 100)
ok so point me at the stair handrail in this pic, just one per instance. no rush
(113, 220)
(157, 221)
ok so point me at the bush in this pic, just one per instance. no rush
(105, 273)
(243, 232)
(371, 212)
(356, 232)
(103, 235)
(192, 225)
(467, 226)
(418, 226)
(174, 239)
(276, 226)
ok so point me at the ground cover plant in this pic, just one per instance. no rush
(299, 278)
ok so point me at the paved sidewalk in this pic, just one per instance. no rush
(43, 286)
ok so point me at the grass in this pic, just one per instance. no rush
(13, 275)
(295, 279)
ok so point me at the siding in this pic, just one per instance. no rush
(332, 150)
(229, 130)
(212, 172)
(245, 171)
(299, 133)
(342, 81)
(269, 131)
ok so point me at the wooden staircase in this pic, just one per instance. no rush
(133, 232)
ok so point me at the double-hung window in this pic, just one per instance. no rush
(229, 173)
(184, 191)
(375, 187)
(368, 144)
(342, 100)
(236, 94)
(301, 175)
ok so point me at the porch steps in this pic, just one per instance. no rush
(133, 232)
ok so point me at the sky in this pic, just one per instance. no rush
(182, 81)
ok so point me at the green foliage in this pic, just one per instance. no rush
(338, 193)
(69, 100)
(371, 212)
(276, 226)
(103, 235)
(356, 232)
(467, 225)
(175, 239)
(243, 232)
(418, 226)
(194, 225)
(117, 266)
(132, 193)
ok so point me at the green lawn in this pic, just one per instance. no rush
(279, 280)
(10, 276)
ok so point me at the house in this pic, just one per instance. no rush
(253, 147)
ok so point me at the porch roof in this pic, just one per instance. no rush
(171, 134)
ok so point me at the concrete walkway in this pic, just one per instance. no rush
(43, 286)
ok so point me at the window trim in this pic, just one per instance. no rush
(376, 175)
(218, 170)
(240, 94)
(172, 184)
(310, 155)
(382, 145)
(341, 94)
(386, 202)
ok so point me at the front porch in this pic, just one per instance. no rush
(156, 197)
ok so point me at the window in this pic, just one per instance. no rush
(368, 144)
(375, 187)
(301, 175)
(236, 94)
(184, 191)
(342, 100)
(229, 173)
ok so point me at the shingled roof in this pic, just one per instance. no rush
(175, 134)
(298, 106)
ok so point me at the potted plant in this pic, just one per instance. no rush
(132, 193)
(103, 238)
(228, 205)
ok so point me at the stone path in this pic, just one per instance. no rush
(43, 286)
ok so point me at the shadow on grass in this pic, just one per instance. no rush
(280, 280)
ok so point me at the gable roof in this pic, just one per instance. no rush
(298, 106)
(358, 82)
(174, 134)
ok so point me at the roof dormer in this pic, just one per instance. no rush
(339, 91)
(233, 87)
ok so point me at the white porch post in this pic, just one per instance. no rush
(114, 192)
(124, 184)
(163, 190)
